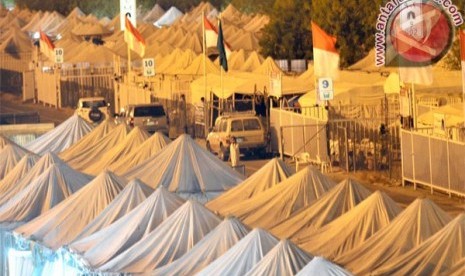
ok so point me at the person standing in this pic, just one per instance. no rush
(182, 111)
(200, 118)
(234, 153)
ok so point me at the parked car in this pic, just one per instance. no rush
(151, 117)
(246, 127)
(93, 109)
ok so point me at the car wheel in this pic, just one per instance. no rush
(95, 115)
(223, 154)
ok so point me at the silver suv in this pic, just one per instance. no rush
(246, 127)
(93, 110)
(151, 117)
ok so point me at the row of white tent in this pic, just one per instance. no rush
(107, 223)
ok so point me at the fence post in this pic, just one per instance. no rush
(430, 164)
(413, 161)
(448, 166)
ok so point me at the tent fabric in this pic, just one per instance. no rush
(10, 155)
(53, 186)
(61, 137)
(178, 233)
(322, 267)
(128, 199)
(100, 247)
(89, 140)
(272, 173)
(147, 149)
(91, 155)
(284, 259)
(4, 142)
(154, 14)
(457, 270)
(243, 256)
(20, 170)
(211, 247)
(283, 200)
(453, 115)
(169, 17)
(352, 228)
(438, 254)
(187, 169)
(64, 222)
(136, 137)
(420, 220)
(336, 202)
(9, 189)
(268, 67)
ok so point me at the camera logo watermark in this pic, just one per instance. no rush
(415, 32)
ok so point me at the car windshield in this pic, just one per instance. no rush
(149, 111)
(89, 104)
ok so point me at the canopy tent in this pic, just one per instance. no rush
(337, 201)
(9, 189)
(91, 29)
(268, 67)
(284, 259)
(419, 221)
(10, 155)
(19, 171)
(154, 14)
(4, 141)
(211, 247)
(179, 232)
(352, 228)
(236, 59)
(89, 140)
(64, 222)
(368, 64)
(50, 188)
(169, 17)
(61, 137)
(282, 200)
(15, 44)
(272, 173)
(129, 198)
(458, 269)
(136, 137)
(187, 169)
(252, 63)
(147, 149)
(81, 160)
(320, 266)
(128, 230)
(196, 68)
(436, 255)
(453, 115)
(243, 256)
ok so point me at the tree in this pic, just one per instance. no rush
(287, 35)
(352, 22)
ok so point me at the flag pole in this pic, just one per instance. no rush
(414, 107)
(204, 46)
(221, 72)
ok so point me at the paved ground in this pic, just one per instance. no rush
(372, 180)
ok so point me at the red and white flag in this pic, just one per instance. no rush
(133, 38)
(325, 55)
(46, 46)
(211, 36)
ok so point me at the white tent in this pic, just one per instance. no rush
(80, 160)
(65, 221)
(19, 171)
(337, 201)
(61, 137)
(437, 255)
(169, 17)
(128, 199)
(284, 199)
(322, 267)
(154, 14)
(172, 239)
(9, 189)
(53, 186)
(187, 169)
(89, 140)
(352, 228)
(272, 173)
(131, 228)
(243, 256)
(10, 155)
(284, 259)
(211, 247)
(147, 149)
(420, 220)
(133, 140)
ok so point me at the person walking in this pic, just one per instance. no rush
(234, 153)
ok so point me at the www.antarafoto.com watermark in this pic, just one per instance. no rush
(415, 31)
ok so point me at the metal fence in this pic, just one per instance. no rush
(433, 162)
